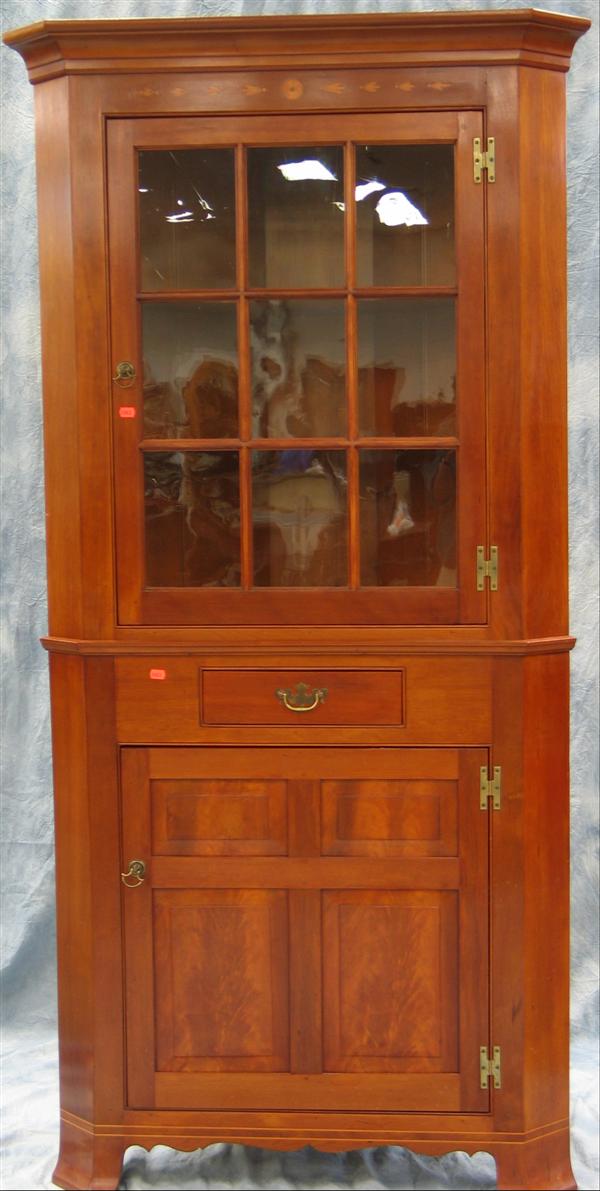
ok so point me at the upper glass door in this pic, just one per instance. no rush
(303, 438)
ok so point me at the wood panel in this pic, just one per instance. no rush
(187, 131)
(264, 90)
(474, 928)
(431, 1093)
(61, 447)
(187, 872)
(389, 818)
(221, 973)
(503, 349)
(543, 360)
(507, 891)
(332, 1124)
(138, 944)
(471, 403)
(304, 818)
(77, 450)
(309, 763)
(546, 888)
(314, 606)
(306, 989)
(219, 818)
(73, 887)
(158, 693)
(390, 981)
(104, 811)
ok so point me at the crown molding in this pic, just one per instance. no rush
(525, 36)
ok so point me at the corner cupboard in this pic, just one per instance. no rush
(303, 304)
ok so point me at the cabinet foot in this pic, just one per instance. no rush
(540, 1165)
(86, 1162)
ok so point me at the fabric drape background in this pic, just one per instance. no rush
(29, 1006)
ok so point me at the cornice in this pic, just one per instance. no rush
(525, 36)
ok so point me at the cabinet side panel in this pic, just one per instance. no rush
(546, 834)
(503, 312)
(543, 352)
(93, 395)
(105, 867)
(73, 886)
(61, 437)
(87, 886)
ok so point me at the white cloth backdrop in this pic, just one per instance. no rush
(30, 1069)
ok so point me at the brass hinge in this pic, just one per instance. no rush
(487, 567)
(490, 1067)
(490, 788)
(484, 160)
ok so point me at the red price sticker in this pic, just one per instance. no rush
(158, 674)
(127, 411)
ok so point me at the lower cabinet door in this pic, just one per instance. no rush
(311, 931)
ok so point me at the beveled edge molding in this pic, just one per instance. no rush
(523, 648)
(525, 36)
(206, 1131)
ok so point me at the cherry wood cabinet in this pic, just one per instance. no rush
(303, 306)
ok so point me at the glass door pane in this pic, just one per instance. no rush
(408, 518)
(298, 349)
(299, 518)
(309, 417)
(190, 369)
(407, 366)
(296, 217)
(187, 219)
(192, 519)
(405, 215)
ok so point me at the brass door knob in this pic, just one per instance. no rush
(125, 374)
(135, 874)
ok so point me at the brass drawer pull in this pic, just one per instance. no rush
(302, 698)
(135, 874)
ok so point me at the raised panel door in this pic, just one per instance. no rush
(311, 931)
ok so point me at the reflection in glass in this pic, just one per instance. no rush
(190, 370)
(187, 219)
(296, 217)
(299, 518)
(408, 518)
(405, 215)
(406, 366)
(192, 519)
(298, 368)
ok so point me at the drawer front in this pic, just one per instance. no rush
(416, 701)
(303, 698)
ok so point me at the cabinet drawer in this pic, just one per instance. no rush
(419, 701)
(303, 697)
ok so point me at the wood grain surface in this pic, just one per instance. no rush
(329, 927)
